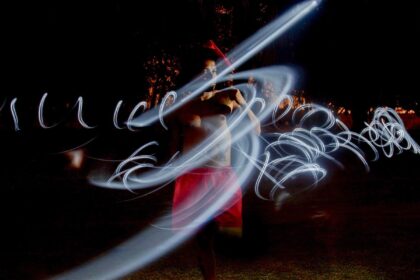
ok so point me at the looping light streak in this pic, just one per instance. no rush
(387, 132)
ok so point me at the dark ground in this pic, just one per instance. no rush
(355, 225)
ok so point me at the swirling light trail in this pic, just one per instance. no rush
(289, 157)
(156, 241)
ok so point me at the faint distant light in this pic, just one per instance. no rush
(400, 110)
(76, 158)
(222, 10)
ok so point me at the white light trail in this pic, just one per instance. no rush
(41, 112)
(143, 105)
(79, 105)
(115, 118)
(14, 114)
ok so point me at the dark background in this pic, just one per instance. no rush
(356, 53)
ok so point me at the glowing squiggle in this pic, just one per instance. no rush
(41, 112)
(168, 96)
(298, 151)
(14, 114)
(79, 104)
(116, 111)
(387, 131)
(133, 158)
(142, 104)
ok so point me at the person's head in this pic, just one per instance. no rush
(199, 58)
(209, 70)
(200, 63)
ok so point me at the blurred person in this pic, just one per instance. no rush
(193, 123)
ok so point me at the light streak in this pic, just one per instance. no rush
(79, 104)
(142, 104)
(78, 147)
(115, 118)
(2, 105)
(41, 112)
(168, 96)
(14, 114)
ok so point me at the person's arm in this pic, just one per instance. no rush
(239, 102)
(208, 95)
